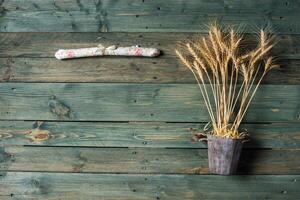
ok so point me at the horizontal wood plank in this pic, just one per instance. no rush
(141, 134)
(140, 160)
(134, 102)
(29, 57)
(145, 16)
(14, 185)
(129, 70)
(44, 45)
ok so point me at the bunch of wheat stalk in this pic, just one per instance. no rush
(231, 71)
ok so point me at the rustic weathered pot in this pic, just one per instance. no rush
(223, 154)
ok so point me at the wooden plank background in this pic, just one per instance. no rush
(28, 57)
(134, 102)
(122, 128)
(21, 185)
(138, 134)
(145, 15)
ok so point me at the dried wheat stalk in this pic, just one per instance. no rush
(220, 58)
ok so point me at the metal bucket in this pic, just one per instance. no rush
(223, 154)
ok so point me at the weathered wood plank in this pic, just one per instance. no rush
(140, 160)
(150, 70)
(141, 134)
(29, 57)
(133, 102)
(130, 70)
(144, 16)
(37, 45)
(15, 185)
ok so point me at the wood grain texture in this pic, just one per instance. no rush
(134, 102)
(145, 16)
(139, 134)
(44, 45)
(128, 70)
(124, 137)
(29, 57)
(140, 160)
(15, 185)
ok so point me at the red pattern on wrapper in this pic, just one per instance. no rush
(70, 54)
(138, 52)
(129, 51)
(112, 50)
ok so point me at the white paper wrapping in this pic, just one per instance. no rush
(106, 51)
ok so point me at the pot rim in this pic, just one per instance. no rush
(223, 138)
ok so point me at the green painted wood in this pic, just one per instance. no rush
(144, 16)
(44, 45)
(141, 134)
(153, 70)
(29, 57)
(140, 160)
(145, 187)
(133, 102)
